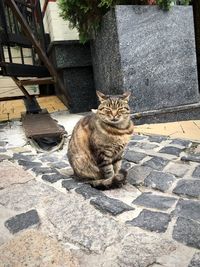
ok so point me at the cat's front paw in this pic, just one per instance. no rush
(120, 178)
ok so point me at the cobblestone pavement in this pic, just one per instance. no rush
(49, 219)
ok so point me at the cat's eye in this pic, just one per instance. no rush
(123, 110)
(107, 110)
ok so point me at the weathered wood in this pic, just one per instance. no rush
(47, 80)
(24, 91)
(40, 125)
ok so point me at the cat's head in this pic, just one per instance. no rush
(113, 109)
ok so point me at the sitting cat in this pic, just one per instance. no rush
(98, 141)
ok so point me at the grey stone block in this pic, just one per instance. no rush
(177, 169)
(159, 180)
(196, 172)
(188, 188)
(137, 174)
(137, 137)
(176, 113)
(106, 61)
(194, 158)
(29, 164)
(22, 221)
(71, 54)
(134, 156)
(181, 142)
(152, 221)
(142, 145)
(59, 165)
(187, 232)
(157, 139)
(80, 84)
(52, 178)
(147, 70)
(73, 61)
(110, 205)
(43, 170)
(87, 191)
(171, 150)
(157, 163)
(20, 156)
(195, 261)
(150, 200)
(49, 158)
(70, 184)
(188, 209)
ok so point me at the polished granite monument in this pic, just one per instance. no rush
(151, 53)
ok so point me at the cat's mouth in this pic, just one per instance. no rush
(114, 119)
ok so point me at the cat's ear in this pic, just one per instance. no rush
(126, 95)
(94, 110)
(101, 96)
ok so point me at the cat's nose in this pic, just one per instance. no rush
(114, 119)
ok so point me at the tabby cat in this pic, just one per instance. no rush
(98, 141)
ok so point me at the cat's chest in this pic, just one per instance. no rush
(113, 144)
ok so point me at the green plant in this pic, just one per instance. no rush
(85, 15)
(166, 4)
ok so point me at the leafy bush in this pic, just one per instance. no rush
(85, 15)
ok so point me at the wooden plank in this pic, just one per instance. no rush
(41, 125)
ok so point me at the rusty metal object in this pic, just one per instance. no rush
(46, 80)
(41, 125)
(21, 87)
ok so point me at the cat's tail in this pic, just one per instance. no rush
(114, 182)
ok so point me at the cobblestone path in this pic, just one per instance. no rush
(49, 219)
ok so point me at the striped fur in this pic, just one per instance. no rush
(98, 141)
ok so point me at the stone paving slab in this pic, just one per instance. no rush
(157, 163)
(177, 169)
(187, 231)
(11, 173)
(152, 221)
(33, 248)
(189, 209)
(159, 180)
(147, 222)
(154, 201)
(188, 188)
(22, 221)
(196, 172)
